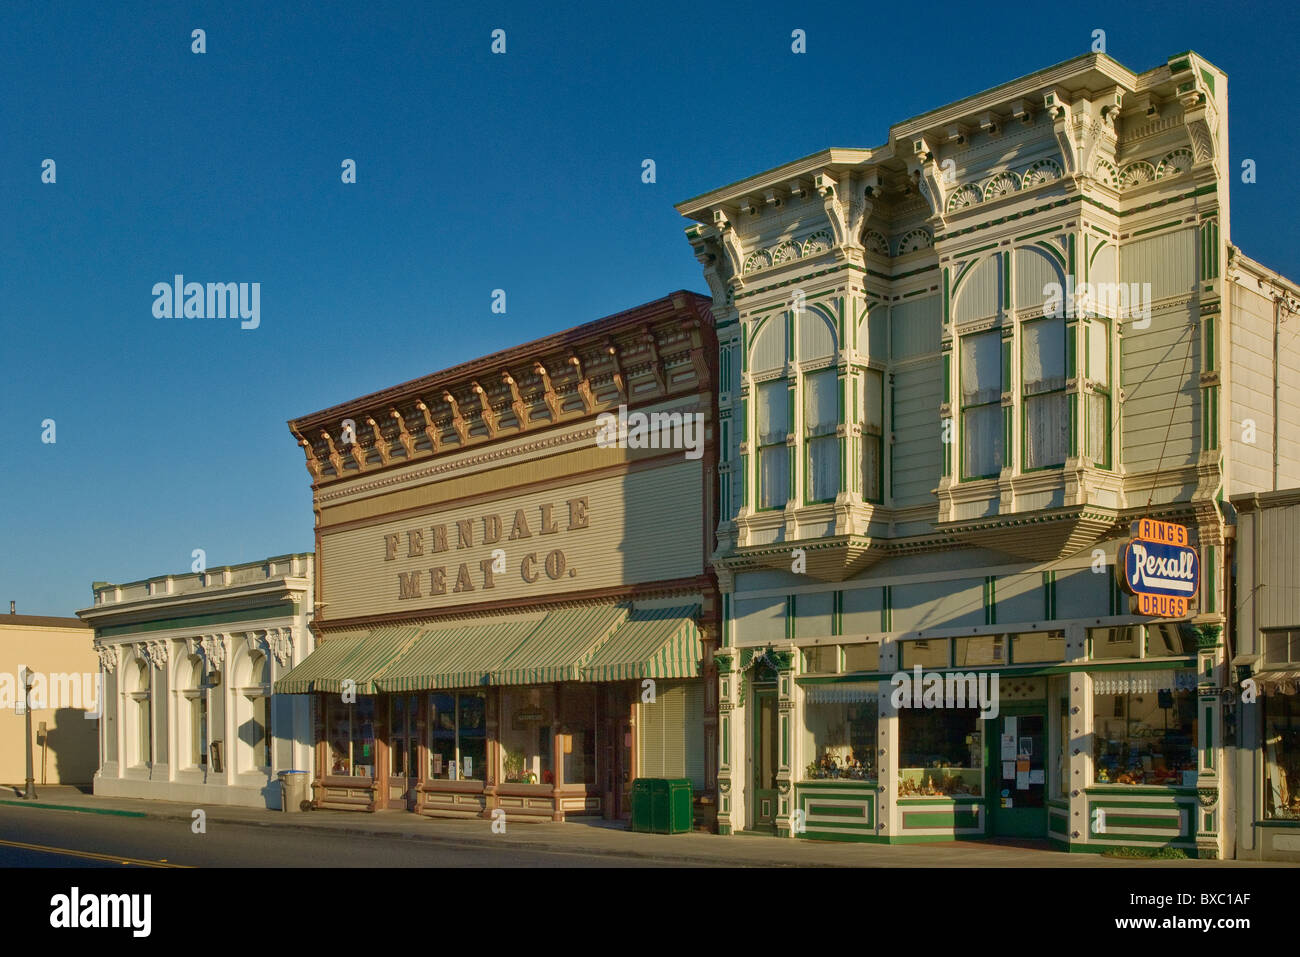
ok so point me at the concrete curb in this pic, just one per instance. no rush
(71, 807)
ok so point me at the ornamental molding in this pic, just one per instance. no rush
(108, 656)
(280, 641)
(214, 649)
(157, 652)
(1002, 183)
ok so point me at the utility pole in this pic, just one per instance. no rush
(29, 792)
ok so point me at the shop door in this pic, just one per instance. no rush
(1018, 802)
(404, 733)
(765, 759)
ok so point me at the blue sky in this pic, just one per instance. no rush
(474, 172)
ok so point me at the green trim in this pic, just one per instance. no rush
(886, 608)
(81, 810)
(279, 610)
(1156, 229)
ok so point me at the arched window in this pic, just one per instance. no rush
(195, 711)
(138, 690)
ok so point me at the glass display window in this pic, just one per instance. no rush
(351, 731)
(840, 727)
(578, 734)
(1145, 735)
(941, 753)
(1166, 639)
(821, 660)
(458, 736)
(864, 657)
(1281, 756)
(527, 716)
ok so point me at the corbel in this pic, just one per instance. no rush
(335, 458)
(990, 123)
(403, 436)
(957, 133)
(516, 400)
(1059, 110)
(1023, 111)
(358, 454)
(774, 198)
(313, 464)
(584, 384)
(552, 399)
(656, 365)
(431, 431)
(750, 206)
(713, 260)
(381, 443)
(799, 188)
(729, 241)
(924, 167)
(619, 381)
(457, 420)
(485, 406)
(845, 209)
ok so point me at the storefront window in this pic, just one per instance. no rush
(861, 658)
(351, 729)
(1282, 756)
(821, 660)
(528, 715)
(578, 734)
(840, 724)
(941, 753)
(1037, 646)
(1161, 640)
(1144, 729)
(458, 736)
(928, 653)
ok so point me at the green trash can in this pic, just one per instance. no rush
(662, 805)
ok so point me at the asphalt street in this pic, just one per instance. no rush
(43, 838)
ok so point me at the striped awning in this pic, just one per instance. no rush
(858, 692)
(560, 644)
(650, 643)
(1285, 682)
(359, 659)
(457, 655)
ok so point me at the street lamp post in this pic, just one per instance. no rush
(29, 793)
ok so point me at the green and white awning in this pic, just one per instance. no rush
(560, 644)
(650, 643)
(359, 659)
(459, 655)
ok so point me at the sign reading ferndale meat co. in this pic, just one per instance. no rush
(485, 531)
(1159, 568)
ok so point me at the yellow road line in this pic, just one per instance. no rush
(90, 855)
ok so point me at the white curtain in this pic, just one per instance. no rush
(1044, 355)
(774, 476)
(1047, 429)
(1099, 352)
(873, 400)
(821, 403)
(981, 431)
(1098, 426)
(772, 413)
(823, 468)
(981, 368)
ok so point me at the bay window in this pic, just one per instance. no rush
(773, 425)
(821, 418)
(1047, 411)
(981, 404)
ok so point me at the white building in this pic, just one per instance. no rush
(188, 663)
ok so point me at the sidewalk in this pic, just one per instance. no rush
(597, 838)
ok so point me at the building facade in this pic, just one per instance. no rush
(955, 371)
(187, 664)
(1267, 662)
(515, 611)
(64, 699)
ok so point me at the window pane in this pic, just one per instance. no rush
(1037, 647)
(1145, 737)
(980, 650)
(773, 413)
(821, 660)
(1282, 756)
(872, 472)
(1044, 355)
(1047, 430)
(363, 745)
(873, 400)
(1275, 648)
(821, 402)
(473, 736)
(823, 468)
(774, 476)
(1098, 404)
(1166, 639)
(578, 741)
(442, 735)
(941, 752)
(981, 368)
(840, 740)
(981, 437)
(525, 749)
(928, 653)
(338, 717)
(1123, 641)
(862, 657)
(1099, 353)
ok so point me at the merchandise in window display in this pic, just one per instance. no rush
(940, 781)
(842, 762)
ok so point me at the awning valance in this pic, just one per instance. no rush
(650, 643)
(1144, 682)
(459, 655)
(859, 692)
(359, 659)
(1284, 682)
